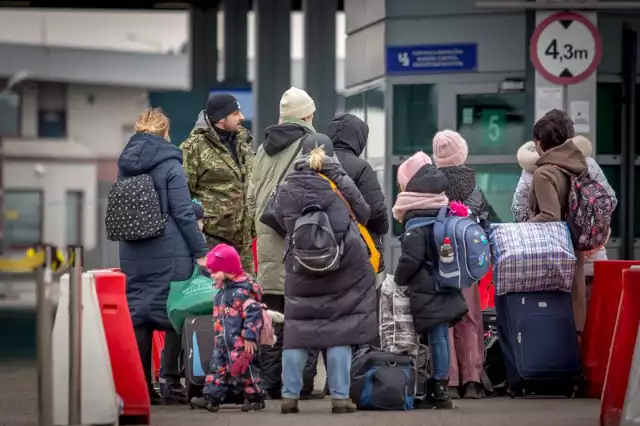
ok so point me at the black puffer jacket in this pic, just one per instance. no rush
(349, 136)
(338, 308)
(428, 306)
(463, 188)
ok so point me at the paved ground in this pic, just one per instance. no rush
(18, 408)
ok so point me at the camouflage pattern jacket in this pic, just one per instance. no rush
(221, 185)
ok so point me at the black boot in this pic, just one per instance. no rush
(205, 403)
(437, 396)
(253, 403)
(173, 393)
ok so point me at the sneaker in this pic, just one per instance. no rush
(174, 394)
(473, 390)
(204, 403)
(342, 406)
(253, 403)
(289, 406)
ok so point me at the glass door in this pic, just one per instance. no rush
(493, 125)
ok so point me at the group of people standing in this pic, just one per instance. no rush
(217, 166)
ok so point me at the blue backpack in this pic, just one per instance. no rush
(464, 254)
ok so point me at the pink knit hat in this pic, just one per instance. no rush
(449, 149)
(224, 258)
(410, 167)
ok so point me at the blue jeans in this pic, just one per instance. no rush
(338, 371)
(438, 341)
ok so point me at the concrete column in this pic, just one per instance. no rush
(204, 47)
(235, 43)
(320, 58)
(272, 61)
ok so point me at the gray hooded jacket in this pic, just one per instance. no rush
(527, 157)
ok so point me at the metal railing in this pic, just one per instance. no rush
(51, 265)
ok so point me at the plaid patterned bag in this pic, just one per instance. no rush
(532, 257)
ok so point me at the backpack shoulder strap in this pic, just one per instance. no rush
(417, 222)
(248, 303)
(439, 226)
(293, 157)
(339, 193)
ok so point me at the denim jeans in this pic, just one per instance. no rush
(438, 341)
(338, 371)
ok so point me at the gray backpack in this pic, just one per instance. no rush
(313, 244)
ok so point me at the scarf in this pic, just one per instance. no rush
(408, 201)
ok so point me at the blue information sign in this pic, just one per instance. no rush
(432, 58)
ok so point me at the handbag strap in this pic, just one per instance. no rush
(339, 194)
(295, 155)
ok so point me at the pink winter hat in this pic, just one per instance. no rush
(449, 149)
(411, 166)
(224, 258)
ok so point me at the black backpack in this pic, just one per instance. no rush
(133, 210)
(314, 247)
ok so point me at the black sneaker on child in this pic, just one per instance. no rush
(253, 403)
(437, 397)
(205, 403)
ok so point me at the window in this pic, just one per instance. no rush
(52, 110)
(354, 104)
(10, 113)
(498, 182)
(74, 203)
(374, 101)
(609, 119)
(415, 118)
(492, 124)
(22, 219)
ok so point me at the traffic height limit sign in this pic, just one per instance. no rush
(566, 48)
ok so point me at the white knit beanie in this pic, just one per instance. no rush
(297, 104)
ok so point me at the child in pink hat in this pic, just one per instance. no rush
(237, 323)
(450, 153)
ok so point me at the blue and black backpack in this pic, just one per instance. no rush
(382, 380)
(464, 254)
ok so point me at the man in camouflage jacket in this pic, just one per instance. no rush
(218, 160)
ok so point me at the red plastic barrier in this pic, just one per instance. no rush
(601, 317)
(128, 374)
(156, 360)
(622, 347)
(487, 291)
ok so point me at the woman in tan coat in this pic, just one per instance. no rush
(549, 197)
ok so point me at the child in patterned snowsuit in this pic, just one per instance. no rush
(233, 367)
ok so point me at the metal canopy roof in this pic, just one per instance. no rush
(128, 4)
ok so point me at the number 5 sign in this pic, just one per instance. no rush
(493, 123)
(566, 48)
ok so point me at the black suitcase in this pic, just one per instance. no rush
(539, 342)
(197, 344)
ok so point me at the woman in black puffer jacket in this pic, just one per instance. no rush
(337, 309)
(467, 350)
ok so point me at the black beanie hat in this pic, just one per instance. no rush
(428, 180)
(316, 140)
(220, 105)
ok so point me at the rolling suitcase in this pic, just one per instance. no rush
(539, 342)
(197, 344)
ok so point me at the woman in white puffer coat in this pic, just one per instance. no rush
(527, 157)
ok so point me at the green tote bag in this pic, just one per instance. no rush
(188, 298)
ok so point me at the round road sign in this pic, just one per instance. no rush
(566, 48)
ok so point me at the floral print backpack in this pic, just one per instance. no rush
(590, 211)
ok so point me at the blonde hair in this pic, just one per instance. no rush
(316, 158)
(153, 121)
